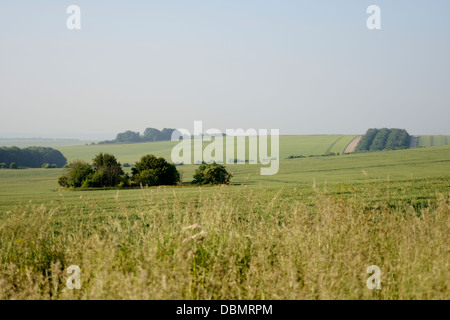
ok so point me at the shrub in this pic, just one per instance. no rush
(153, 171)
(76, 174)
(109, 172)
(212, 174)
(13, 165)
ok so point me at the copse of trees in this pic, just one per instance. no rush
(379, 142)
(212, 174)
(31, 157)
(153, 171)
(366, 141)
(150, 135)
(76, 175)
(398, 139)
(106, 171)
(384, 139)
(128, 137)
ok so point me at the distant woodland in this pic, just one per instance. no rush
(384, 139)
(31, 157)
(150, 135)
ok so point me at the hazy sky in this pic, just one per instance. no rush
(303, 67)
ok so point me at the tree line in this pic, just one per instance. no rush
(31, 157)
(384, 139)
(106, 171)
(150, 135)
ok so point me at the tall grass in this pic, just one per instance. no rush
(236, 243)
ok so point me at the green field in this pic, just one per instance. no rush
(289, 145)
(308, 232)
(433, 141)
(51, 143)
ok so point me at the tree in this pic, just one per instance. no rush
(2, 165)
(212, 174)
(13, 165)
(166, 135)
(153, 171)
(32, 157)
(109, 172)
(77, 172)
(128, 137)
(151, 134)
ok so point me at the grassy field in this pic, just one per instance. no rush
(52, 143)
(432, 141)
(289, 145)
(309, 232)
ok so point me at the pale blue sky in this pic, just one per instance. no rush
(304, 67)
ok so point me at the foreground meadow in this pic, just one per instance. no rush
(229, 243)
(309, 232)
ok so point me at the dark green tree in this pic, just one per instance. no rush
(151, 134)
(109, 171)
(128, 137)
(77, 172)
(212, 174)
(153, 171)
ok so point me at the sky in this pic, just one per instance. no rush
(303, 67)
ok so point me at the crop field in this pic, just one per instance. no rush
(433, 141)
(308, 232)
(52, 143)
(289, 145)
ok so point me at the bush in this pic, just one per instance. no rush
(212, 174)
(49, 166)
(153, 171)
(76, 174)
(109, 172)
(13, 165)
(63, 181)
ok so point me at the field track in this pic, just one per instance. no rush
(352, 145)
(414, 141)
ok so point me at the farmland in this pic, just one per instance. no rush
(51, 143)
(433, 140)
(289, 145)
(308, 232)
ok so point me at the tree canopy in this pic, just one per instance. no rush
(150, 135)
(31, 157)
(153, 171)
(384, 139)
(105, 172)
(212, 174)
